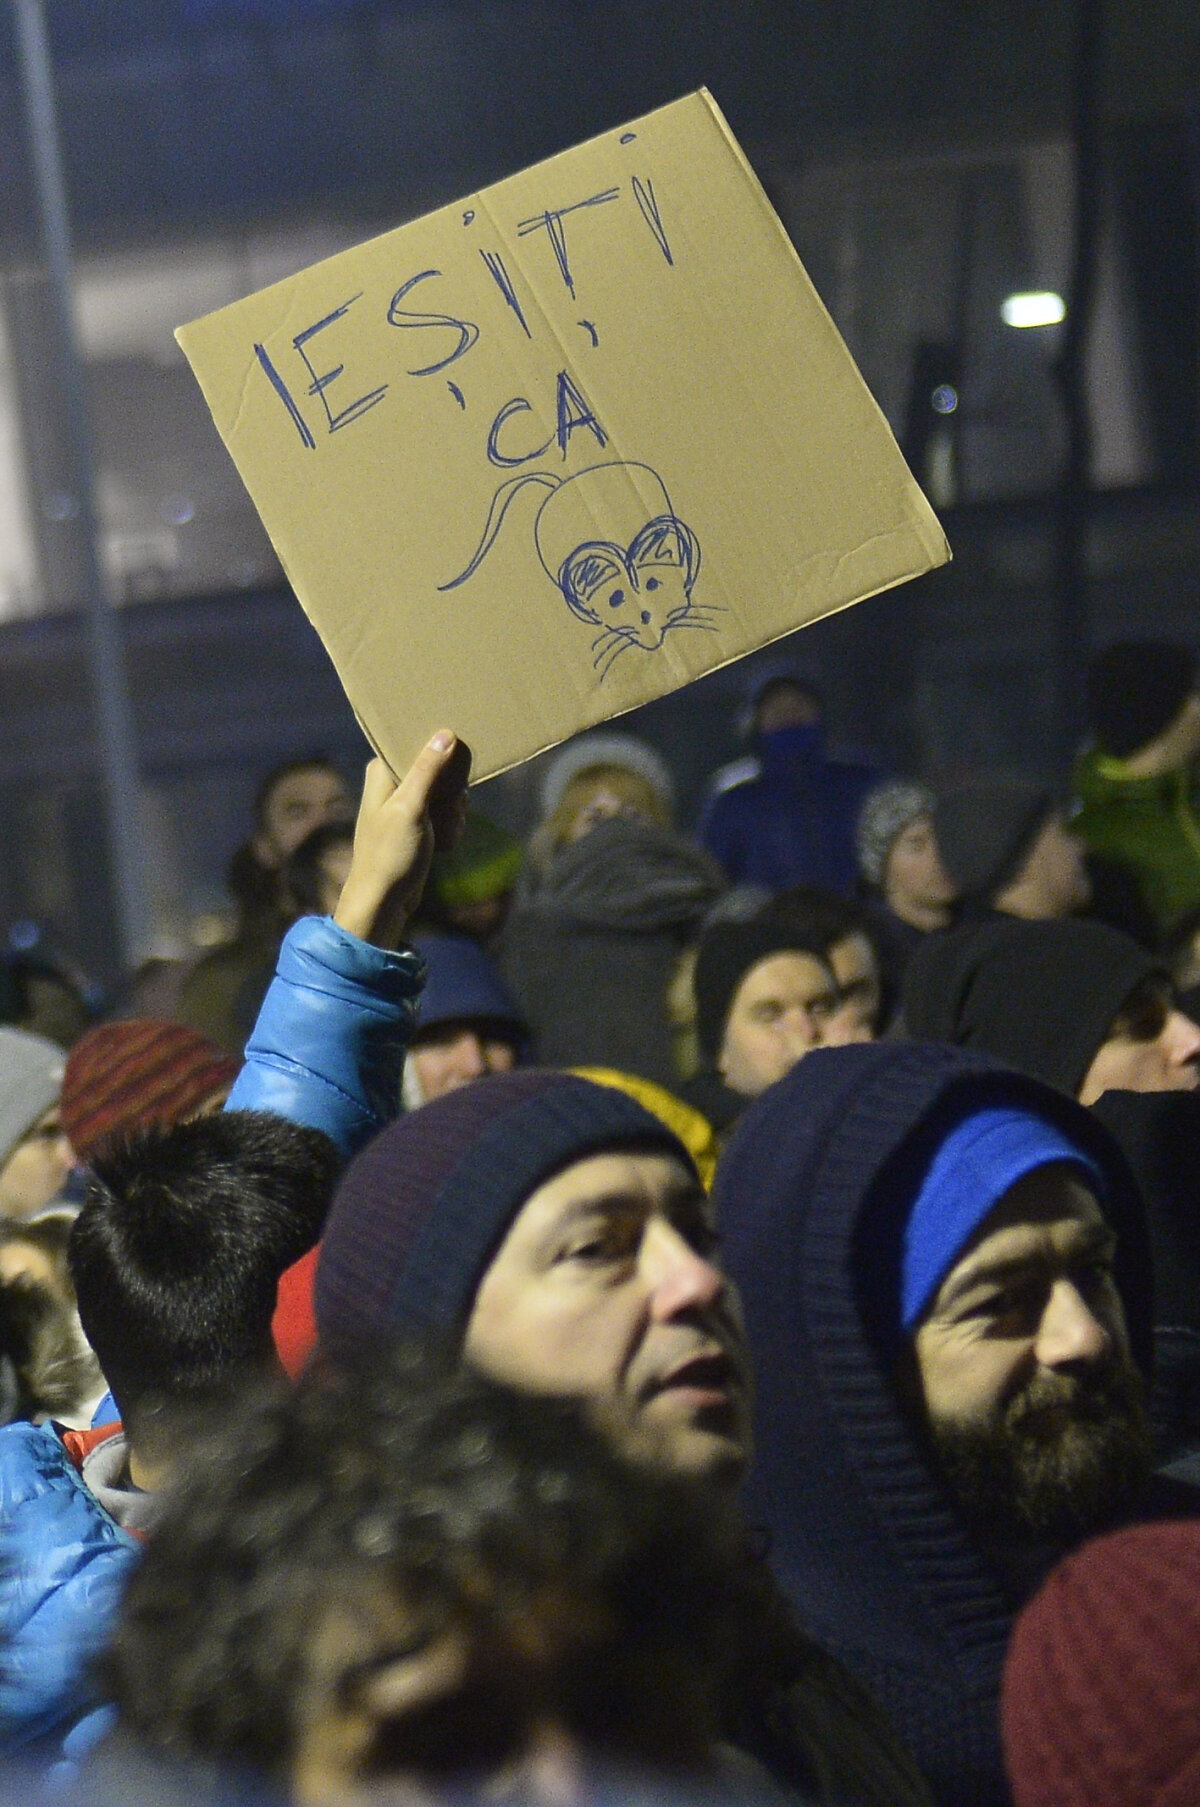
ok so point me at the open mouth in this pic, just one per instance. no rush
(708, 1379)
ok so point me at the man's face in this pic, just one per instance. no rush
(297, 804)
(1153, 1047)
(604, 1289)
(36, 1170)
(860, 991)
(603, 803)
(1032, 1400)
(781, 1009)
(450, 1055)
(786, 705)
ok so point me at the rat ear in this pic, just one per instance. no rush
(668, 540)
(581, 570)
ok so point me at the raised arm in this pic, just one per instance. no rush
(329, 1044)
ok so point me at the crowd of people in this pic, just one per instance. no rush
(635, 1316)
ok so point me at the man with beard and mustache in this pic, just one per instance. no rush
(946, 1285)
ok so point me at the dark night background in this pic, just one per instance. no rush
(920, 155)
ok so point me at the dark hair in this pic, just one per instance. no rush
(302, 874)
(177, 1252)
(472, 1506)
(313, 762)
(785, 683)
(819, 918)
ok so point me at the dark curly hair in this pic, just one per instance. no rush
(622, 1596)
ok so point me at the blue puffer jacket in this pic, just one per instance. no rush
(329, 1044)
(63, 1566)
(327, 1051)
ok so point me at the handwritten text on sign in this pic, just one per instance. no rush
(636, 590)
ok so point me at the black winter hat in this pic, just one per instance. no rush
(1135, 690)
(727, 953)
(1039, 995)
(984, 830)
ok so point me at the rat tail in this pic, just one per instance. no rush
(496, 513)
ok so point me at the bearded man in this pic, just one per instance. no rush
(946, 1285)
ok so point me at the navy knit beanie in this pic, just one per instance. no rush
(462, 984)
(1135, 690)
(420, 1212)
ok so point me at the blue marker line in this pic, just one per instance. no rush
(281, 390)
(552, 221)
(321, 380)
(644, 195)
(589, 327)
(457, 393)
(628, 137)
(504, 283)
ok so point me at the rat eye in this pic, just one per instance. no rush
(616, 599)
(652, 583)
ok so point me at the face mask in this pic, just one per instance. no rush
(795, 743)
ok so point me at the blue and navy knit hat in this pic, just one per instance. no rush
(984, 1155)
(421, 1211)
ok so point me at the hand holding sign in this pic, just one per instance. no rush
(399, 825)
(492, 446)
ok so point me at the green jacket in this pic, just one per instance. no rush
(1150, 826)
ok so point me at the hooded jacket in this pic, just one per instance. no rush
(591, 950)
(811, 1200)
(1148, 826)
(1159, 1135)
(795, 823)
(1041, 996)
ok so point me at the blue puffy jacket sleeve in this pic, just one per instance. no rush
(63, 1568)
(329, 1044)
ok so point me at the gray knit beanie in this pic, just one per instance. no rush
(624, 750)
(886, 813)
(31, 1072)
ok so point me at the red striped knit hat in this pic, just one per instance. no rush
(124, 1076)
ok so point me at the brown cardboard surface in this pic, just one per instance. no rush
(558, 449)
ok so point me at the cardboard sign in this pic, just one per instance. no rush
(554, 451)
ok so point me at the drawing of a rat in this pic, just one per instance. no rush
(636, 588)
